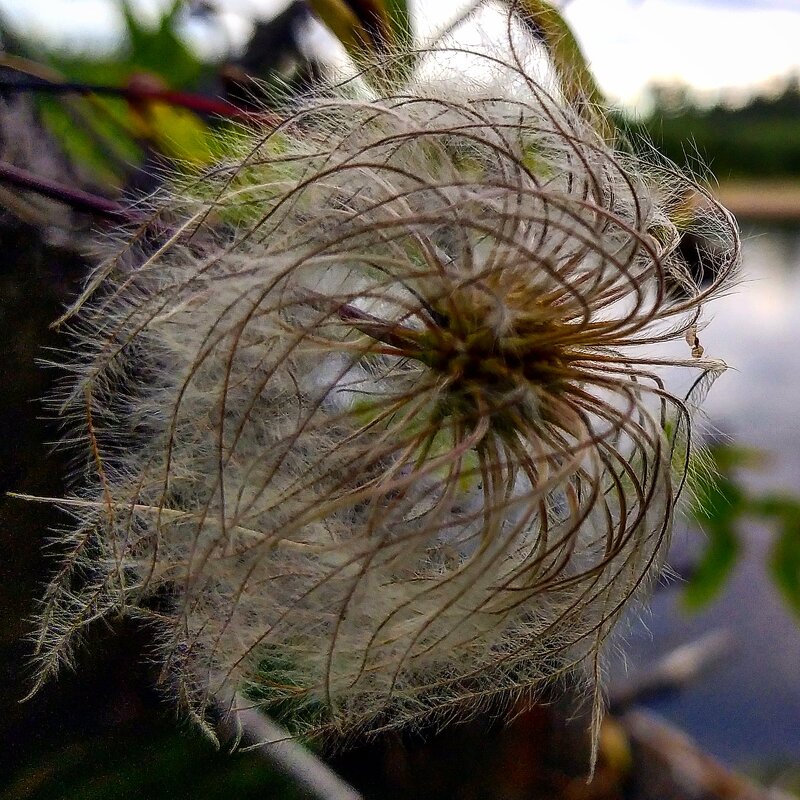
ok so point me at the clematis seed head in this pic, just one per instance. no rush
(377, 416)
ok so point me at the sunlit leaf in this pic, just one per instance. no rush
(578, 84)
(102, 137)
(178, 134)
(374, 32)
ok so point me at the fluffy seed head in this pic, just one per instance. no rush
(377, 415)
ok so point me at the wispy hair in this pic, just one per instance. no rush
(377, 415)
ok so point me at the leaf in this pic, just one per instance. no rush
(729, 457)
(578, 84)
(92, 143)
(719, 500)
(160, 50)
(714, 568)
(102, 136)
(375, 33)
(345, 26)
(174, 132)
(720, 504)
(776, 506)
(784, 563)
(784, 560)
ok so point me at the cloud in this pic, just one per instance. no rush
(710, 45)
(784, 5)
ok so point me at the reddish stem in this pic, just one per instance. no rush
(75, 198)
(141, 90)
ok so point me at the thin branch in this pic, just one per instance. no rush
(140, 91)
(75, 109)
(678, 668)
(285, 753)
(74, 198)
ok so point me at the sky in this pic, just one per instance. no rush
(709, 44)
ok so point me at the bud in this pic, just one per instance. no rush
(377, 414)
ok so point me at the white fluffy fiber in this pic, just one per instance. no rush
(373, 418)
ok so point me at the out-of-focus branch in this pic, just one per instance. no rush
(141, 89)
(668, 764)
(259, 733)
(677, 669)
(74, 198)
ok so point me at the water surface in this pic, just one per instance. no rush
(747, 709)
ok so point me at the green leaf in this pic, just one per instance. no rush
(720, 503)
(103, 137)
(784, 561)
(776, 506)
(719, 500)
(714, 568)
(94, 142)
(729, 457)
(160, 50)
(376, 34)
(176, 133)
(578, 84)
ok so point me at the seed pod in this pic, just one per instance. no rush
(377, 419)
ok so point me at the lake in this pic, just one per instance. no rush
(746, 709)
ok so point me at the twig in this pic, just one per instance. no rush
(285, 753)
(139, 91)
(74, 109)
(678, 668)
(75, 198)
(669, 764)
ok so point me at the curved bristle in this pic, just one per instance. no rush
(378, 419)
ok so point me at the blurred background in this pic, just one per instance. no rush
(714, 83)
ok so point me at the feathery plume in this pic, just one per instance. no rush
(377, 417)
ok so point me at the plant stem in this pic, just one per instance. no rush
(286, 753)
(75, 198)
(141, 91)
